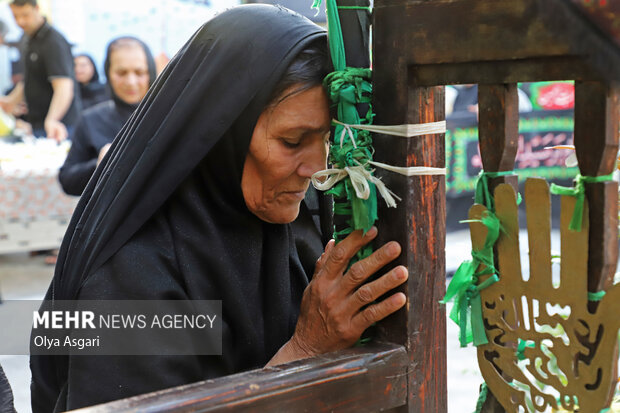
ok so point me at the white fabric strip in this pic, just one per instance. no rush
(360, 176)
(405, 131)
(411, 170)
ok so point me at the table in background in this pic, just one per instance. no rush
(34, 211)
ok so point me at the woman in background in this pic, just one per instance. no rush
(130, 70)
(92, 91)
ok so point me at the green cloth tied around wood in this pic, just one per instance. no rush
(483, 194)
(348, 87)
(597, 296)
(482, 397)
(579, 192)
(464, 288)
(351, 148)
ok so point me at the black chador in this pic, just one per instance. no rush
(164, 216)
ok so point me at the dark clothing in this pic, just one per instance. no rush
(466, 97)
(164, 217)
(97, 127)
(6, 395)
(93, 93)
(47, 55)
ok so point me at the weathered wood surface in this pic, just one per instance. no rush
(498, 130)
(418, 222)
(512, 36)
(597, 109)
(367, 379)
(503, 71)
(604, 14)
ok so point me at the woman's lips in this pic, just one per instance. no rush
(295, 195)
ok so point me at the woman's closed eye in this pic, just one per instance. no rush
(290, 143)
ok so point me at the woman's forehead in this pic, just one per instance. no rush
(305, 111)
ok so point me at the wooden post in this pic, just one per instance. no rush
(498, 129)
(596, 143)
(597, 107)
(418, 223)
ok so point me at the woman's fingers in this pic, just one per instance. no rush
(379, 311)
(363, 269)
(368, 293)
(340, 255)
(321, 261)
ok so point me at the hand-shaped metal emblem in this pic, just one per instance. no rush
(545, 349)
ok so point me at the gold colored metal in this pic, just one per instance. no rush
(569, 352)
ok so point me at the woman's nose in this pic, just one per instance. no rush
(131, 79)
(314, 159)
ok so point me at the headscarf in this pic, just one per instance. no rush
(196, 102)
(93, 91)
(150, 61)
(181, 156)
(95, 76)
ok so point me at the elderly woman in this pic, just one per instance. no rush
(130, 70)
(92, 91)
(195, 201)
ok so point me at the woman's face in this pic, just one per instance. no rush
(129, 73)
(84, 69)
(289, 144)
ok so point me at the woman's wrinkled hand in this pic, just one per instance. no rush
(337, 306)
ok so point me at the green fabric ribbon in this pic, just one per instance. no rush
(347, 87)
(482, 397)
(579, 192)
(368, 9)
(336, 42)
(483, 195)
(597, 296)
(465, 290)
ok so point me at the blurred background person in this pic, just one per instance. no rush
(4, 29)
(130, 70)
(92, 91)
(49, 88)
(466, 100)
(6, 395)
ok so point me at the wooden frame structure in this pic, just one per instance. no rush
(419, 46)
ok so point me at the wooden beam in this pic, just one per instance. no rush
(597, 107)
(418, 222)
(355, 380)
(504, 71)
(476, 31)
